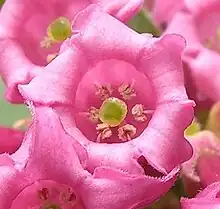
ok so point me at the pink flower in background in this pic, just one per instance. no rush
(120, 94)
(10, 140)
(207, 199)
(163, 11)
(199, 24)
(31, 33)
(50, 171)
(203, 168)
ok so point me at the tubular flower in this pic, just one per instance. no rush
(32, 31)
(49, 171)
(119, 93)
(206, 199)
(203, 168)
(199, 24)
(10, 140)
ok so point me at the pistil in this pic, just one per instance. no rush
(58, 31)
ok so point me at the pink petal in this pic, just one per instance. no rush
(204, 145)
(126, 191)
(10, 140)
(207, 199)
(208, 169)
(205, 69)
(183, 24)
(169, 94)
(163, 12)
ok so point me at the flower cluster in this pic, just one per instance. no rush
(113, 123)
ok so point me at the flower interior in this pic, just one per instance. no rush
(47, 194)
(115, 109)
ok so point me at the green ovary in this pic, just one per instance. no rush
(51, 206)
(59, 29)
(113, 111)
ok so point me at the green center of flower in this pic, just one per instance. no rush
(113, 111)
(59, 29)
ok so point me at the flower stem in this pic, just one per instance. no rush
(143, 23)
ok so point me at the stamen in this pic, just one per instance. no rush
(113, 111)
(140, 113)
(127, 90)
(126, 132)
(92, 114)
(43, 194)
(103, 91)
(68, 197)
(104, 131)
(51, 57)
(46, 43)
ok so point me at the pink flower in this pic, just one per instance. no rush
(163, 11)
(199, 24)
(207, 199)
(31, 33)
(203, 168)
(111, 85)
(10, 140)
(50, 171)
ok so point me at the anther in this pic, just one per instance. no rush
(103, 91)
(92, 114)
(126, 132)
(139, 113)
(43, 194)
(127, 91)
(103, 131)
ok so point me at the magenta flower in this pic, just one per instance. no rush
(199, 24)
(203, 168)
(10, 140)
(50, 171)
(31, 33)
(207, 199)
(111, 85)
